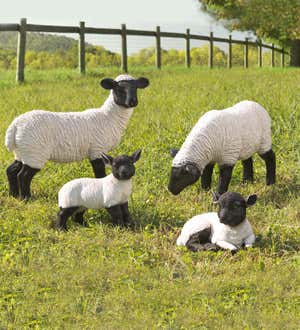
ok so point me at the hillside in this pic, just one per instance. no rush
(38, 42)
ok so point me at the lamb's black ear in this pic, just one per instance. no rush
(107, 159)
(142, 82)
(216, 197)
(173, 152)
(251, 200)
(108, 83)
(136, 155)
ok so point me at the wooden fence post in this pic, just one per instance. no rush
(246, 51)
(124, 48)
(282, 58)
(81, 48)
(211, 51)
(21, 51)
(260, 57)
(158, 48)
(229, 62)
(187, 49)
(272, 56)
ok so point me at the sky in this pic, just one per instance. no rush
(170, 15)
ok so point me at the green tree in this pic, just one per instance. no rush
(276, 20)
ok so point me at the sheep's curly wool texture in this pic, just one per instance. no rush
(37, 136)
(235, 236)
(225, 136)
(95, 193)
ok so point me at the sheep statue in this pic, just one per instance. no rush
(224, 137)
(228, 229)
(111, 192)
(37, 136)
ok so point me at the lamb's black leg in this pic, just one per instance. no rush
(12, 172)
(125, 213)
(270, 160)
(78, 217)
(24, 180)
(224, 178)
(116, 215)
(248, 170)
(98, 167)
(206, 176)
(63, 216)
(201, 241)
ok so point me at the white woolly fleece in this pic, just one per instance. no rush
(37, 136)
(95, 193)
(223, 235)
(225, 136)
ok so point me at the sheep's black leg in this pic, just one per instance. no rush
(224, 178)
(206, 176)
(247, 169)
(63, 216)
(12, 172)
(116, 215)
(98, 167)
(78, 217)
(270, 160)
(125, 213)
(24, 180)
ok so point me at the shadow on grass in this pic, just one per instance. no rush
(282, 194)
(278, 243)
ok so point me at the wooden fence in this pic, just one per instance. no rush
(82, 30)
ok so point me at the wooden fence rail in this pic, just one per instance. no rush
(82, 30)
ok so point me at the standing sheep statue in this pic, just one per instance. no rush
(224, 137)
(111, 192)
(37, 136)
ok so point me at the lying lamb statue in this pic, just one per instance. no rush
(228, 229)
(37, 136)
(224, 137)
(111, 192)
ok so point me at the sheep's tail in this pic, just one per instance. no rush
(10, 137)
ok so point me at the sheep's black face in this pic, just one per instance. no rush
(183, 176)
(123, 166)
(232, 207)
(125, 91)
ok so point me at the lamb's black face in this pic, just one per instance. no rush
(123, 166)
(232, 207)
(183, 176)
(125, 91)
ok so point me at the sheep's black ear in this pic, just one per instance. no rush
(107, 159)
(251, 200)
(108, 83)
(142, 82)
(216, 197)
(136, 155)
(173, 152)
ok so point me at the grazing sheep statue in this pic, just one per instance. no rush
(228, 229)
(224, 137)
(111, 192)
(37, 136)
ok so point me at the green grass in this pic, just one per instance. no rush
(103, 277)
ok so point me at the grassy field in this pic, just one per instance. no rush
(103, 277)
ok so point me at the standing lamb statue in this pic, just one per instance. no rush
(111, 192)
(37, 136)
(228, 229)
(224, 137)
